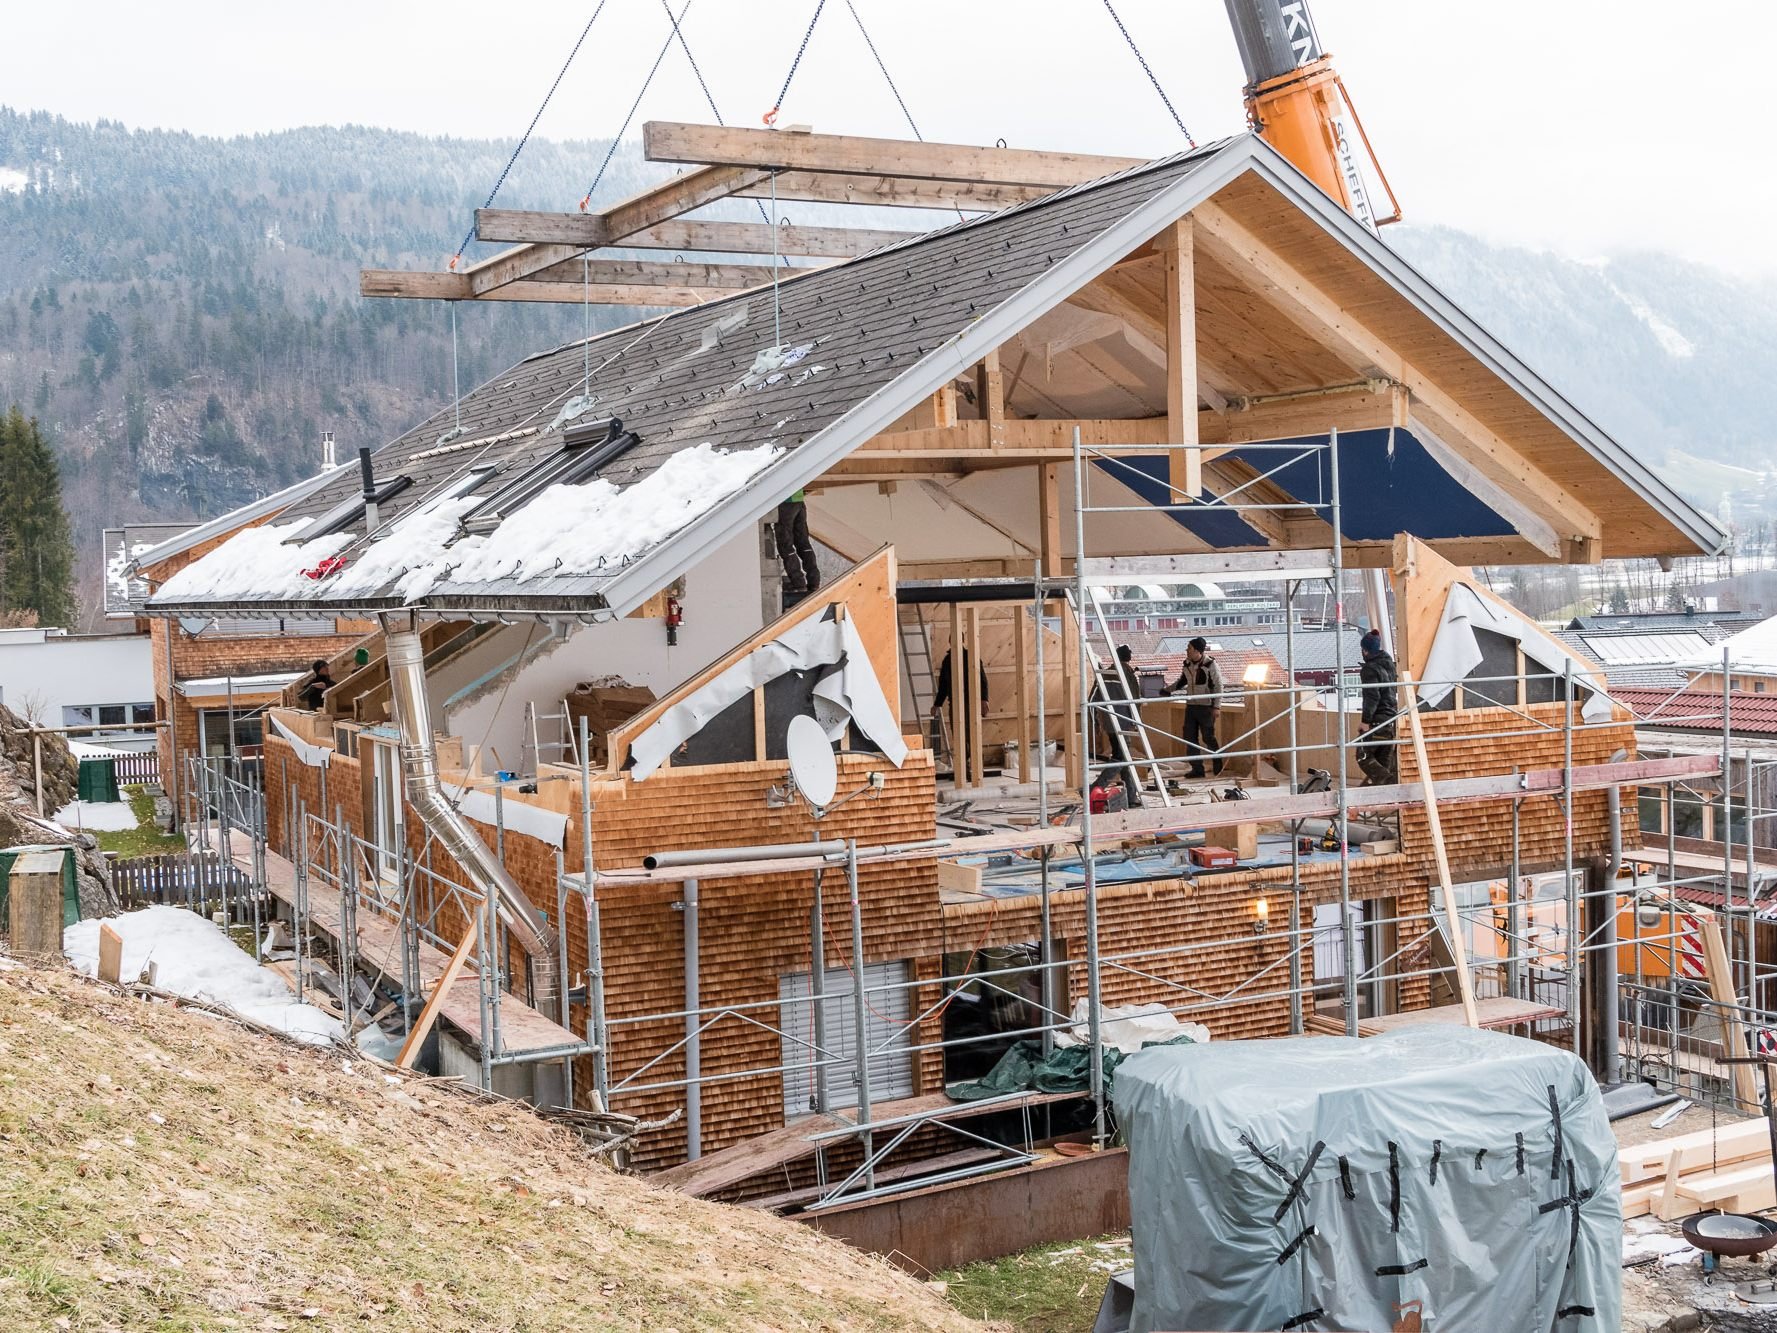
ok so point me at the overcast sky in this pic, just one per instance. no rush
(1581, 126)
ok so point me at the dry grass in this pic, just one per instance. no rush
(160, 1170)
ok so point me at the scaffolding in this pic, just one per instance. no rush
(1537, 936)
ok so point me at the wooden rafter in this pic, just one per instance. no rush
(892, 191)
(1298, 300)
(658, 273)
(674, 141)
(1185, 461)
(456, 287)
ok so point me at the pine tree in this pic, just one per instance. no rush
(36, 545)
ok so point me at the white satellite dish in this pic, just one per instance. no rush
(811, 760)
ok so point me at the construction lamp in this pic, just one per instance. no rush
(1257, 673)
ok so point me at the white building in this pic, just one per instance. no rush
(58, 679)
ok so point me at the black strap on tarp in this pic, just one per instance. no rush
(1295, 1244)
(1567, 1310)
(1437, 1151)
(1401, 1270)
(1295, 1189)
(1560, 1147)
(1479, 1158)
(1345, 1178)
(1276, 1167)
(1520, 1154)
(1394, 1186)
(1306, 1317)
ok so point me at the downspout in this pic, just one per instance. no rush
(419, 766)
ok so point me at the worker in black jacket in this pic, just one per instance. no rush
(959, 730)
(1200, 681)
(1376, 736)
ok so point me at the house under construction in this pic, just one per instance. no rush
(550, 811)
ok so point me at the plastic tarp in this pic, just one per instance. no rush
(849, 694)
(315, 756)
(1455, 651)
(1336, 1183)
(513, 815)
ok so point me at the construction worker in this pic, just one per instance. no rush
(1125, 688)
(1200, 681)
(1376, 753)
(960, 731)
(801, 575)
(314, 689)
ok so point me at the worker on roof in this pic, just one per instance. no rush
(1376, 752)
(801, 575)
(314, 689)
(1200, 681)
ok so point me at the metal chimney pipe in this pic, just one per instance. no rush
(424, 791)
(368, 474)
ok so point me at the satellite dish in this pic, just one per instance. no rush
(811, 760)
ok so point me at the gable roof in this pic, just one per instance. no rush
(739, 402)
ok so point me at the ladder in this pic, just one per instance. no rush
(1110, 687)
(564, 749)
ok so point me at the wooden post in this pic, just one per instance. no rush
(110, 954)
(1177, 245)
(1721, 990)
(1465, 985)
(37, 768)
(1049, 502)
(1021, 682)
(34, 911)
(958, 706)
(410, 1049)
(991, 397)
(977, 704)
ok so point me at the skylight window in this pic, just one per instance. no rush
(585, 449)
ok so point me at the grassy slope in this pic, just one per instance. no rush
(145, 839)
(163, 1170)
(1048, 1289)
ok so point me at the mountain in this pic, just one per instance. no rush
(182, 312)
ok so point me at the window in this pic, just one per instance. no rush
(1734, 820)
(212, 729)
(888, 1008)
(112, 715)
(1651, 802)
(1687, 815)
(142, 714)
(121, 716)
(78, 716)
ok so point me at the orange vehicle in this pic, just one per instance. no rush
(1296, 101)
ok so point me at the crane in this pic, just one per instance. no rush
(1296, 101)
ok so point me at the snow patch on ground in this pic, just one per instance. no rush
(194, 958)
(103, 816)
(13, 181)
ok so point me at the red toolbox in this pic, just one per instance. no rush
(1213, 858)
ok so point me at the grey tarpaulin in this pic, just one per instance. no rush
(1324, 1183)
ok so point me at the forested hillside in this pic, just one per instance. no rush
(181, 313)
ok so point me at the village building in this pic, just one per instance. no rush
(563, 764)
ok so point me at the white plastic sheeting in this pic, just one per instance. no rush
(1455, 651)
(315, 756)
(850, 694)
(1326, 1182)
(513, 815)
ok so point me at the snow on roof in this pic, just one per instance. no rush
(206, 686)
(567, 530)
(1752, 649)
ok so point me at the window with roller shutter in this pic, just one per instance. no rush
(891, 1057)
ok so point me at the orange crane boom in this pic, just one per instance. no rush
(1297, 103)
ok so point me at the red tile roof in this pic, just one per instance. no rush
(1700, 710)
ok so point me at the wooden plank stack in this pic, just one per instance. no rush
(1727, 1167)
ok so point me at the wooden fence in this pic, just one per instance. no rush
(138, 767)
(203, 882)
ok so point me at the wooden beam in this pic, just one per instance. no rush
(1049, 506)
(1720, 972)
(990, 397)
(1465, 984)
(1147, 334)
(1184, 464)
(410, 1049)
(658, 203)
(1293, 296)
(1021, 682)
(894, 192)
(977, 704)
(1314, 414)
(673, 141)
(660, 273)
(760, 238)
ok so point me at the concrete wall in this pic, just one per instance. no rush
(43, 671)
(722, 608)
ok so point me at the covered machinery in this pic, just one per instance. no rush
(1464, 1176)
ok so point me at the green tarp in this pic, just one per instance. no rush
(1023, 1069)
(70, 883)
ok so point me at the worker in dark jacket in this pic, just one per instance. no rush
(1200, 681)
(959, 730)
(801, 574)
(1124, 722)
(1376, 736)
(314, 689)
